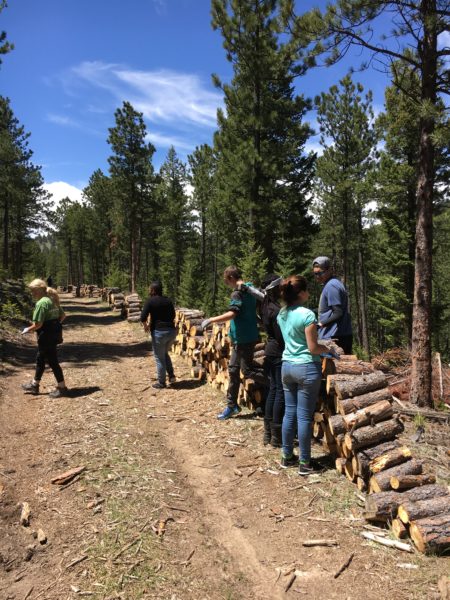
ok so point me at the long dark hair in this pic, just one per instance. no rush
(291, 287)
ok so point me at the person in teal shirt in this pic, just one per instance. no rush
(301, 371)
(47, 318)
(243, 334)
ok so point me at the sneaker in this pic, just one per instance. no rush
(172, 379)
(30, 388)
(306, 469)
(59, 393)
(158, 385)
(228, 412)
(288, 461)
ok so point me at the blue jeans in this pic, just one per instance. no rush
(301, 384)
(162, 340)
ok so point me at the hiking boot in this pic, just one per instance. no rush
(275, 439)
(307, 469)
(59, 393)
(267, 432)
(158, 385)
(288, 461)
(30, 388)
(229, 412)
(172, 379)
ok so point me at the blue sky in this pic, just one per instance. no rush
(74, 63)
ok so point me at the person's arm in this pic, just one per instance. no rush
(227, 316)
(253, 291)
(335, 306)
(311, 339)
(62, 315)
(145, 314)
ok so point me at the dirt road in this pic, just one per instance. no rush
(172, 503)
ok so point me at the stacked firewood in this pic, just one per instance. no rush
(208, 354)
(132, 308)
(90, 291)
(358, 424)
(116, 299)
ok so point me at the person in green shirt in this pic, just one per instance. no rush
(243, 333)
(46, 322)
(301, 371)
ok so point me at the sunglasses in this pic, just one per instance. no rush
(319, 273)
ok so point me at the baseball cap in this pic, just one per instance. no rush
(322, 261)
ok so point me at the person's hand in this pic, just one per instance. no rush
(241, 287)
(25, 330)
(205, 324)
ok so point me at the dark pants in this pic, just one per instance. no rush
(275, 398)
(345, 342)
(241, 360)
(48, 354)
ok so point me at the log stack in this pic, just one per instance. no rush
(358, 424)
(208, 354)
(132, 308)
(116, 300)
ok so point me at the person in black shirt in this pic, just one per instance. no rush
(161, 311)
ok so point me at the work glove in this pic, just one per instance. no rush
(25, 330)
(206, 323)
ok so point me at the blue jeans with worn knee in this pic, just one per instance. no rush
(162, 340)
(301, 384)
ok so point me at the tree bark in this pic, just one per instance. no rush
(362, 459)
(407, 482)
(367, 436)
(381, 482)
(358, 402)
(390, 459)
(421, 328)
(360, 385)
(413, 511)
(431, 535)
(381, 411)
(384, 505)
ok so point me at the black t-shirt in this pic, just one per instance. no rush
(161, 311)
(269, 310)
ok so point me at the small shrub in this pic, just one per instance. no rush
(9, 311)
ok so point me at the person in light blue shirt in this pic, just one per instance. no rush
(301, 371)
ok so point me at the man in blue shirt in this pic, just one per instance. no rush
(334, 319)
(243, 333)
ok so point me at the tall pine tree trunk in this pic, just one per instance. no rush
(6, 235)
(421, 328)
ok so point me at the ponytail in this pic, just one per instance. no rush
(291, 287)
(53, 295)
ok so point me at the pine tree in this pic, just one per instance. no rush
(349, 140)
(263, 175)
(413, 42)
(175, 228)
(132, 176)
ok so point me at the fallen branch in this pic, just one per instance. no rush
(320, 543)
(67, 476)
(387, 542)
(344, 566)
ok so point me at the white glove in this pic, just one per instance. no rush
(206, 323)
(25, 330)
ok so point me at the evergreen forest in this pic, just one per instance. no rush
(375, 199)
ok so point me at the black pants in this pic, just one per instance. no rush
(241, 359)
(345, 342)
(48, 354)
(274, 410)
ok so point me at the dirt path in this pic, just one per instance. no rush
(173, 504)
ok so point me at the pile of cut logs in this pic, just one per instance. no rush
(116, 299)
(208, 354)
(132, 308)
(356, 422)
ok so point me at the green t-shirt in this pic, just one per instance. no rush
(293, 321)
(244, 327)
(45, 310)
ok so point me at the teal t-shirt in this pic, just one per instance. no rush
(293, 321)
(243, 328)
(45, 310)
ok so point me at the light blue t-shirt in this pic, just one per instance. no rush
(292, 321)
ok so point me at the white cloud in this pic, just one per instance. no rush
(166, 141)
(161, 95)
(61, 120)
(61, 189)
